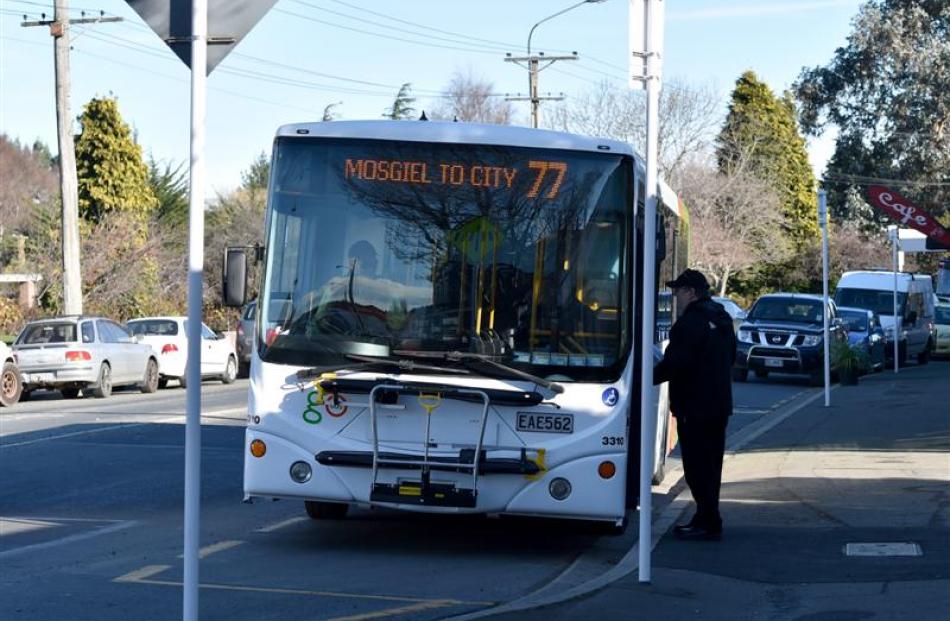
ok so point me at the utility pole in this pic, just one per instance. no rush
(534, 67)
(68, 185)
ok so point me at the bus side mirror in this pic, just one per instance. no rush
(234, 277)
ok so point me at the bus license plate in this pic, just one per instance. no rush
(773, 362)
(545, 423)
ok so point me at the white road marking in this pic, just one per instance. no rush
(883, 549)
(176, 418)
(283, 524)
(215, 547)
(71, 434)
(70, 539)
(141, 574)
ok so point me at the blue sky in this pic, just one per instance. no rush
(306, 54)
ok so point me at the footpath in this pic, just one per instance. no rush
(835, 514)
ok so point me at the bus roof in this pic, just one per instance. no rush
(472, 133)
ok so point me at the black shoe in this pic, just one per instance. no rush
(697, 532)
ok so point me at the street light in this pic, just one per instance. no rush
(561, 12)
(533, 61)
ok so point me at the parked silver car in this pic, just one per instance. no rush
(89, 354)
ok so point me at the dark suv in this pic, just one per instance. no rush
(783, 333)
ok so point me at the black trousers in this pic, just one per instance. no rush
(702, 444)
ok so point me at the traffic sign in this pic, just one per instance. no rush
(228, 23)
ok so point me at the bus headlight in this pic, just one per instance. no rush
(744, 336)
(300, 471)
(559, 488)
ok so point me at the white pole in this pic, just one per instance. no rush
(648, 413)
(199, 63)
(823, 221)
(893, 230)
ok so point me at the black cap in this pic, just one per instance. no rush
(690, 278)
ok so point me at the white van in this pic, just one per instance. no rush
(874, 290)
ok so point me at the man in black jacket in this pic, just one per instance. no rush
(697, 364)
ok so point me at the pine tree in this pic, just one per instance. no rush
(761, 133)
(256, 177)
(170, 186)
(402, 109)
(111, 172)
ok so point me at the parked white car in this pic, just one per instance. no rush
(168, 336)
(10, 384)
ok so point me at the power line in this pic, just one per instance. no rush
(502, 44)
(866, 180)
(395, 28)
(384, 36)
(481, 48)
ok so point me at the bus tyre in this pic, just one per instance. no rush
(326, 510)
(739, 375)
(659, 474)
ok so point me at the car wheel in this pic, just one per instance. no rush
(924, 356)
(740, 375)
(326, 510)
(11, 386)
(69, 393)
(761, 373)
(230, 371)
(103, 387)
(149, 383)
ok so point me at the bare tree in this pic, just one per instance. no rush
(689, 119)
(735, 220)
(25, 180)
(471, 98)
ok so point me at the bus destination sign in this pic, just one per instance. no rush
(545, 180)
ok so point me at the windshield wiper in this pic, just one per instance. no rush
(466, 358)
(366, 363)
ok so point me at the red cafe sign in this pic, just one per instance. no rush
(902, 210)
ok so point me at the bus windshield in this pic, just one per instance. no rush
(379, 246)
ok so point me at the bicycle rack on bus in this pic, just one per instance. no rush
(425, 492)
(383, 394)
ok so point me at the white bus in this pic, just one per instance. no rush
(448, 321)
